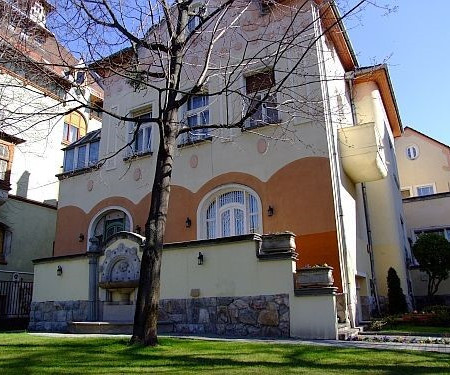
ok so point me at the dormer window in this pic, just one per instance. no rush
(37, 13)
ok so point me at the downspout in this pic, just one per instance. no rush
(343, 253)
(374, 289)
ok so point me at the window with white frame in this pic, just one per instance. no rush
(424, 190)
(82, 154)
(140, 134)
(412, 152)
(195, 116)
(231, 212)
(260, 99)
(37, 12)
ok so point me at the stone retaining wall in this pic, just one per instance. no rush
(257, 316)
(54, 315)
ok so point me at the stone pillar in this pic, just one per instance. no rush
(93, 254)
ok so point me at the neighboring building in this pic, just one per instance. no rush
(34, 84)
(424, 169)
(337, 190)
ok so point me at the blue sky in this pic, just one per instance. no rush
(415, 43)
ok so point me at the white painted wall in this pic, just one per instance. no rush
(39, 122)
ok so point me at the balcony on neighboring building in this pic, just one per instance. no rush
(361, 153)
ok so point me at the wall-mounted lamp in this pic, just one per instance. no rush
(138, 229)
(270, 211)
(188, 222)
(200, 258)
(81, 237)
(59, 271)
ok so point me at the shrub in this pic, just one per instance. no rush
(432, 251)
(397, 300)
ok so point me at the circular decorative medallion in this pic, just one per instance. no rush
(137, 174)
(194, 161)
(90, 185)
(262, 146)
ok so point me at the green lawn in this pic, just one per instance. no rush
(415, 329)
(21, 353)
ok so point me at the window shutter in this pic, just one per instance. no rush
(260, 81)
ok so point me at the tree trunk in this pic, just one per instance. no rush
(146, 314)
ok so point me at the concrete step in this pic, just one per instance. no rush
(345, 332)
(124, 328)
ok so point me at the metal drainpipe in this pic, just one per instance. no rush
(335, 186)
(349, 78)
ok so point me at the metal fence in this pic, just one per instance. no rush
(15, 299)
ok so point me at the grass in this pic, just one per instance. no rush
(21, 353)
(415, 329)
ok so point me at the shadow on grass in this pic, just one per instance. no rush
(25, 354)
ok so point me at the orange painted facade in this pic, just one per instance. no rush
(300, 194)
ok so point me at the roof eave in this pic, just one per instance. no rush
(380, 75)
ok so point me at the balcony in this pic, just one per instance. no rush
(361, 154)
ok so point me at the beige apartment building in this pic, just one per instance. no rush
(424, 169)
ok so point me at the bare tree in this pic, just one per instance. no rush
(260, 56)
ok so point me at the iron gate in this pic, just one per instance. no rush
(15, 299)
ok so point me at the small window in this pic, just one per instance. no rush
(412, 152)
(260, 100)
(425, 190)
(195, 14)
(406, 193)
(193, 22)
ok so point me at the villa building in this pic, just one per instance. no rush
(253, 213)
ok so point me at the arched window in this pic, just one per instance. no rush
(230, 211)
(74, 127)
(109, 223)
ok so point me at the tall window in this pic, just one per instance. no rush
(231, 212)
(257, 87)
(197, 114)
(74, 127)
(4, 159)
(142, 142)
